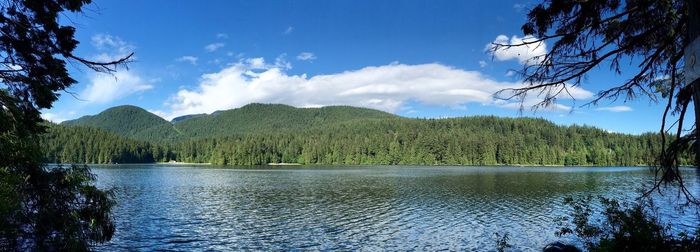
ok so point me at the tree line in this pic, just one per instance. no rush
(482, 140)
(72, 144)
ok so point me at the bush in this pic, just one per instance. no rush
(623, 227)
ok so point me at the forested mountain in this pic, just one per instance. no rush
(129, 121)
(185, 117)
(268, 118)
(137, 123)
(458, 141)
(261, 134)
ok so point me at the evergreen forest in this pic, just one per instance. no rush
(259, 134)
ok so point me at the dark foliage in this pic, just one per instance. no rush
(42, 208)
(66, 211)
(607, 34)
(77, 144)
(624, 227)
(502, 242)
(589, 34)
(465, 141)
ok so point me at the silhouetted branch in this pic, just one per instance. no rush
(589, 34)
(103, 67)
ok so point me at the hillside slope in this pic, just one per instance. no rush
(137, 123)
(264, 118)
(271, 133)
(128, 121)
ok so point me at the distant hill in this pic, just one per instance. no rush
(262, 118)
(137, 123)
(271, 133)
(185, 117)
(128, 121)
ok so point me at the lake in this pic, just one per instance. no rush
(169, 207)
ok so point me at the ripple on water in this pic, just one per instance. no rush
(358, 208)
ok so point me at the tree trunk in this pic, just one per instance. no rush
(693, 32)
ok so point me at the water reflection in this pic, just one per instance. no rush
(394, 208)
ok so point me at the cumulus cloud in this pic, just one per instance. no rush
(304, 56)
(221, 35)
(482, 63)
(187, 58)
(615, 109)
(105, 88)
(528, 54)
(387, 87)
(256, 63)
(213, 47)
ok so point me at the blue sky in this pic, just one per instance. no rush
(415, 59)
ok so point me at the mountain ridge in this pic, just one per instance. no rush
(251, 118)
(259, 134)
(137, 123)
(124, 120)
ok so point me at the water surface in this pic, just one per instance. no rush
(162, 207)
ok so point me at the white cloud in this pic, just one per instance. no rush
(159, 113)
(386, 87)
(111, 47)
(535, 97)
(304, 56)
(528, 54)
(260, 64)
(213, 47)
(519, 7)
(482, 63)
(530, 102)
(221, 35)
(281, 62)
(256, 63)
(104, 88)
(288, 31)
(615, 109)
(51, 117)
(105, 41)
(191, 59)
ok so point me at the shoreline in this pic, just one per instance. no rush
(284, 164)
(154, 163)
(179, 163)
(352, 165)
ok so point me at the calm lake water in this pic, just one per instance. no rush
(163, 207)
